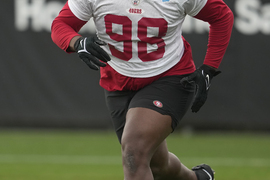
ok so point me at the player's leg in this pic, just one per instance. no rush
(165, 165)
(148, 123)
(169, 167)
(144, 150)
(144, 131)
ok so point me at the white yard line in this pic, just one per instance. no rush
(59, 159)
(116, 160)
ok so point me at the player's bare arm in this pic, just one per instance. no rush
(72, 42)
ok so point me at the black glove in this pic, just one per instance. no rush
(202, 78)
(90, 52)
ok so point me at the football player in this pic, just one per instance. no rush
(147, 71)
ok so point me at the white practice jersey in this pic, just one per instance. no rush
(144, 36)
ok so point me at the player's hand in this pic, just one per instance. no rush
(202, 78)
(91, 53)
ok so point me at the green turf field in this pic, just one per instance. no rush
(81, 155)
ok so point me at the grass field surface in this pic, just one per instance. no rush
(95, 155)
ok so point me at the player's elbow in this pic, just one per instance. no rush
(229, 16)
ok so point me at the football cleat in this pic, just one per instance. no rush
(204, 172)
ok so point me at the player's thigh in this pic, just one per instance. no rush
(144, 131)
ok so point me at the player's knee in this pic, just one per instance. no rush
(133, 158)
(129, 161)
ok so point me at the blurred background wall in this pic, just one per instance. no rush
(42, 86)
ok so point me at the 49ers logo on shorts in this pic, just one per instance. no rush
(158, 103)
(135, 2)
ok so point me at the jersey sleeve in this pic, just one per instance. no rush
(64, 27)
(81, 9)
(193, 7)
(221, 19)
